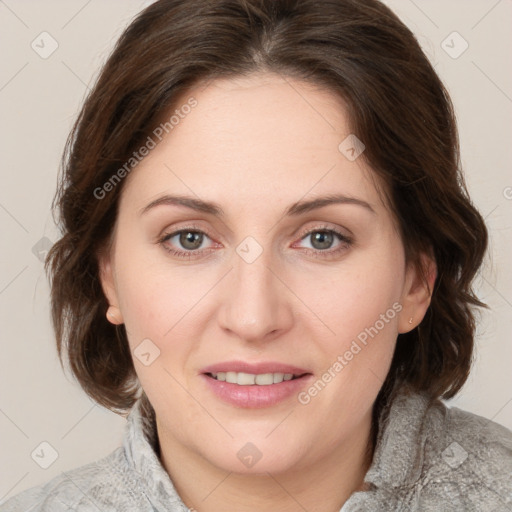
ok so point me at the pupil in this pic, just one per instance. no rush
(324, 238)
(192, 238)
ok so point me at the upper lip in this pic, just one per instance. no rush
(254, 368)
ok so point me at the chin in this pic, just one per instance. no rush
(263, 452)
(249, 460)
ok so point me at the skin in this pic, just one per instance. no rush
(255, 145)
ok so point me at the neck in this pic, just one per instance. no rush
(323, 485)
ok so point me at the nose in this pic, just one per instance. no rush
(257, 305)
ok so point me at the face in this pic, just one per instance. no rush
(308, 299)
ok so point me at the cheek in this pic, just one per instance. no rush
(162, 301)
(148, 295)
(360, 307)
(353, 296)
(159, 321)
(155, 308)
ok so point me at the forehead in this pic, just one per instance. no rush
(253, 140)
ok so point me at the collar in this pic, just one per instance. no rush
(400, 448)
(141, 447)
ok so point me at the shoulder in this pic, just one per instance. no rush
(467, 460)
(100, 485)
(431, 457)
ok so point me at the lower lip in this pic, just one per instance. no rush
(255, 396)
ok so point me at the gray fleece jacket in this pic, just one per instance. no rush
(428, 458)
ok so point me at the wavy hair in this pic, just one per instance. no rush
(396, 104)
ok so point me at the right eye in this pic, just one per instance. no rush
(189, 239)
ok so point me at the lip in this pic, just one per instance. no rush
(254, 368)
(255, 396)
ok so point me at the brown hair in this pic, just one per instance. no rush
(396, 104)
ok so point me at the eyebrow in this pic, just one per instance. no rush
(296, 209)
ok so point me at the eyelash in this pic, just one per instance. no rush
(346, 242)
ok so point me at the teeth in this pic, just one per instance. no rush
(249, 379)
(278, 377)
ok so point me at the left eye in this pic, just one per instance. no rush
(322, 240)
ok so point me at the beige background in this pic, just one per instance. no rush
(39, 100)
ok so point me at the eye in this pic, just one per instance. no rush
(322, 240)
(190, 239)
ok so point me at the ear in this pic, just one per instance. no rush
(106, 274)
(417, 294)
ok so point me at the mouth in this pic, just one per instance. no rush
(251, 379)
(255, 385)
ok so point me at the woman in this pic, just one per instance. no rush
(266, 260)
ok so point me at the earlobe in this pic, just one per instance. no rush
(417, 294)
(113, 314)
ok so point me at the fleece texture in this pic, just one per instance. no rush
(428, 458)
